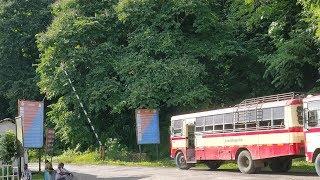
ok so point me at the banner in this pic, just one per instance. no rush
(147, 126)
(32, 114)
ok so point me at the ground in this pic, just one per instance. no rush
(105, 172)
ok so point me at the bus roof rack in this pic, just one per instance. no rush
(271, 98)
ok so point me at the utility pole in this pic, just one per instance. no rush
(102, 148)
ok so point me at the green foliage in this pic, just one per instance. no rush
(176, 56)
(20, 21)
(8, 147)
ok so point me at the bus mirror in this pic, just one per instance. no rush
(312, 118)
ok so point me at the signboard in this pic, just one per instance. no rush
(32, 116)
(49, 140)
(147, 122)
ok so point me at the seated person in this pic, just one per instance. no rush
(62, 173)
(49, 172)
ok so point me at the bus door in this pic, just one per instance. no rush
(190, 149)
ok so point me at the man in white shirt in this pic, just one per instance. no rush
(62, 173)
(26, 175)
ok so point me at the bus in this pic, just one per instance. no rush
(311, 113)
(258, 132)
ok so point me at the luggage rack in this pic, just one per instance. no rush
(271, 98)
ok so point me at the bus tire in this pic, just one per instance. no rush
(317, 164)
(283, 164)
(213, 165)
(181, 162)
(245, 163)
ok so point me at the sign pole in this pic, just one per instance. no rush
(157, 150)
(39, 151)
(140, 152)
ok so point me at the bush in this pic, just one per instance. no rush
(116, 151)
(8, 147)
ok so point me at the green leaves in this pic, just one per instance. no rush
(8, 147)
(20, 20)
(173, 55)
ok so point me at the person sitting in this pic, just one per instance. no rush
(62, 173)
(49, 172)
(26, 175)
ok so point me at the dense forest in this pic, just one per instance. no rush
(177, 56)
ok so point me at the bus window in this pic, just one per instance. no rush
(208, 123)
(218, 119)
(218, 128)
(251, 115)
(228, 118)
(312, 118)
(278, 117)
(177, 127)
(200, 121)
(239, 127)
(313, 113)
(266, 114)
(228, 127)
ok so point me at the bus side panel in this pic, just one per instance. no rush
(177, 143)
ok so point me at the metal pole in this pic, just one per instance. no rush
(39, 151)
(81, 104)
(157, 150)
(140, 152)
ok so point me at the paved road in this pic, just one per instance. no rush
(97, 172)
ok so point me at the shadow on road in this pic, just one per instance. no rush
(80, 176)
(264, 172)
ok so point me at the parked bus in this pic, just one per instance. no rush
(255, 133)
(311, 105)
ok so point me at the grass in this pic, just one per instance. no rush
(37, 176)
(70, 157)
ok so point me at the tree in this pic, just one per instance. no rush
(175, 55)
(20, 21)
(8, 147)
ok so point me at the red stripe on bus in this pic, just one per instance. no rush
(310, 130)
(178, 137)
(273, 131)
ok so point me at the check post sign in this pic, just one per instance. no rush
(147, 126)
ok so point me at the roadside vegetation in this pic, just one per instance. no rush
(176, 56)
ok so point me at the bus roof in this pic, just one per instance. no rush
(229, 110)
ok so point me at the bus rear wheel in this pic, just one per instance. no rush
(181, 162)
(317, 164)
(282, 164)
(213, 165)
(245, 163)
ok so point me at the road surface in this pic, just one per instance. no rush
(103, 172)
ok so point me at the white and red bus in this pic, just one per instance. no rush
(255, 133)
(311, 105)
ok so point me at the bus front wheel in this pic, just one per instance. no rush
(317, 164)
(245, 163)
(181, 162)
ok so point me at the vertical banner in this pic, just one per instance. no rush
(49, 140)
(19, 132)
(147, 126)
(32, 114)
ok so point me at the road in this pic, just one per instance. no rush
(103, 172)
